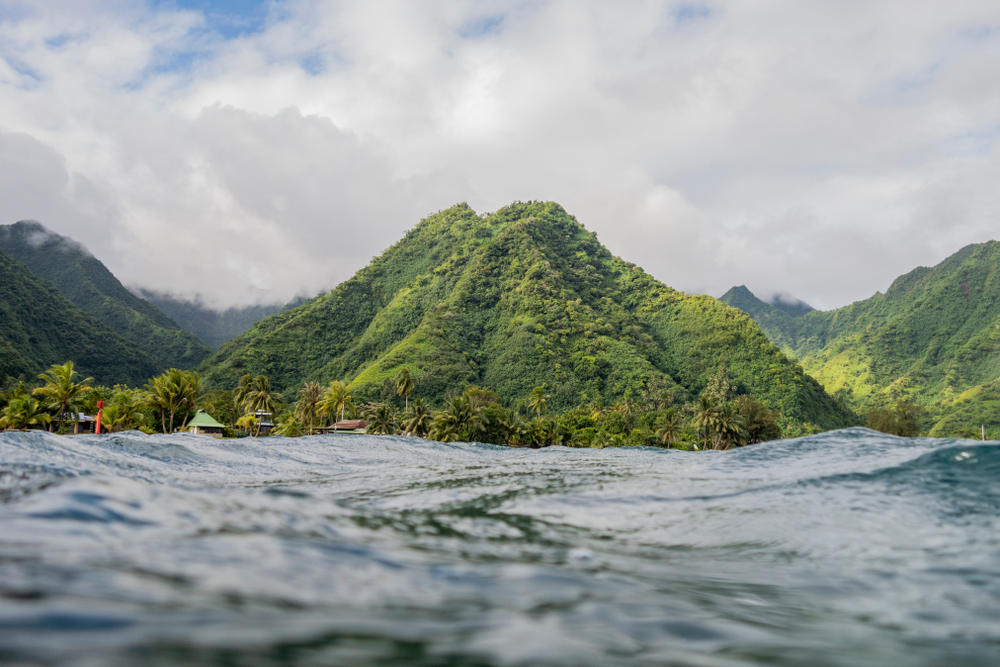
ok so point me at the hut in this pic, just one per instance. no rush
(203, 424)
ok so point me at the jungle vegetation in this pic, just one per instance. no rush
(718, 419)
(88, 284)
(932, 340)
(40, 327)
(514, 300)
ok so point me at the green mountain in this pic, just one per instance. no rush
(85, 281)
(214, 327)
(933, 338)
(509, 301)
(40, 327)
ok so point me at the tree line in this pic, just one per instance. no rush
(718, 419)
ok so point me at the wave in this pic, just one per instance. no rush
(841, 548)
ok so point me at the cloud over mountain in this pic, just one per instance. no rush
(250, 151)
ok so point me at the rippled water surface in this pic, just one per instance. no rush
(848, 548)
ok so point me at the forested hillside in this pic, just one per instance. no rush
(213, 327)
(933, 338)
(509, 301)
(85, 281)
(40, 327)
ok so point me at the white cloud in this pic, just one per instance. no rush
(819, 149)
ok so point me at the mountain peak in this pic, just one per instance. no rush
(509, 301)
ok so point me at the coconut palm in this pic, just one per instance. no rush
(172, 393)
(729, 426)
(61, 393)
(125, 410)
(289, 426)
(670, 427)
(336, 397)
(704, 416)
(417, 420)
(537, 402)
(22, 412)
(260, 400)
(307, 407)
(404, 386)
(383, 421)
(458, 421)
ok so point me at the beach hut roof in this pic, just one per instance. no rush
(202, 418)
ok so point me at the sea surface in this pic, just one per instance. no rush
(847, 548)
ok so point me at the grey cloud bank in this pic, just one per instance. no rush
(819, 149)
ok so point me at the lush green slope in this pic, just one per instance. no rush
(40, 327)
(85, 281)
(933, 338)
(213, 327)
(509, 301)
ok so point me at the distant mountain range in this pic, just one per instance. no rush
(523, 297)
(40, 327)
(214, 327)
(85, 281)
(933, 338)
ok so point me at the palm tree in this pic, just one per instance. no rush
(458, 421)
(417, 420)
(173, 392)
(537, 402)
(125, 410)
(335, 398)
(669, 427)
(383, 421)
(404, 386)
(517, 429)
(259, 399)
(61, 393)
(729, 425)
(289, 426)
(307, 407)
(22, 411)
(704, 416)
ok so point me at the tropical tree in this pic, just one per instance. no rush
(61, 393)
(404, 386)
(537, 402)
(417, 419)
(761, 423)
(704, 416)
(125, 410)
(383, 421)
(23, 412)
(290, 426)
(336, 397)
(670, 426)
(258, 399)
(459, 420)
(172, 393)
(307, 407)
(728, 427)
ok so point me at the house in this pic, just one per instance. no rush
(203, 424)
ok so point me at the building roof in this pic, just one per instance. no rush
(203, 419)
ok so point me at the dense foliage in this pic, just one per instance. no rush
(510, 301)
(88, 284)
(40, 327)
(932, 339)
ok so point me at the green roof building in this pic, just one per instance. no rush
(203, 424)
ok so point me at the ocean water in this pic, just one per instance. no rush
(847, 548)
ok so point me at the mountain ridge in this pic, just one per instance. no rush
(40, 327)
(508, 301)
(86, 282)
(932, 338)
